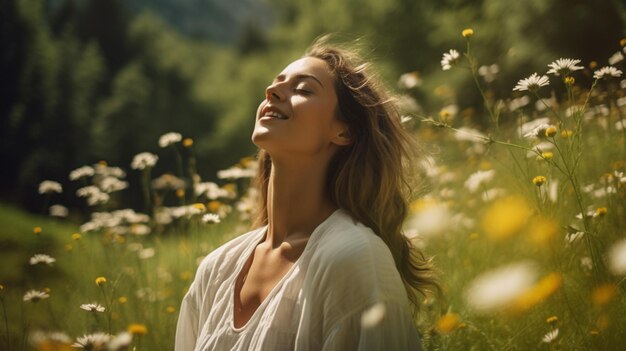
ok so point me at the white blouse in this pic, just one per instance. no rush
(344, 270)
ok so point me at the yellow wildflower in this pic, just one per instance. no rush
(122, 300)
(569, 81)
(138, 329)
(539, 292)
(566, 133)
(447, 323)
(170, 309)
(603, 294)
(467, 33)
(622, 42)
(214, 205)
(593, 64)
(186, 275)
(69, 247)
(187, 142)
(37, 230)
(76, 236)
(601, 212)
(505, 217)
(547, 155)
(247, 161)
(47, 290)
(550, 131)
(539, 180)
(552, 319)
(100, 281)
(199, 206)
(103, 163)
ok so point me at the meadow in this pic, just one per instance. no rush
(524, 217)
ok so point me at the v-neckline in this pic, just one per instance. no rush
(248, 254)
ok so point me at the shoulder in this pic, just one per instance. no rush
(345, 241)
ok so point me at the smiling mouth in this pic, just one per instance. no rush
(273, 114)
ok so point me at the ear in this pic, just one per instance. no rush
(343, 137)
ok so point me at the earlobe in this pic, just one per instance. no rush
(343, 138)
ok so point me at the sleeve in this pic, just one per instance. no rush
(385, 326)
(187, 326)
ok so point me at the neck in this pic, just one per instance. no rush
(297, 200)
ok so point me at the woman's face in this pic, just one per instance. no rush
(298, 115)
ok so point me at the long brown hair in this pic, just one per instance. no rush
(374, 177)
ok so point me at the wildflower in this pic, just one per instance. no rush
(449, 59)
(211, 218)
(538, 292)
(146, 253)
(169, 139)
(603, 294)
(373, 315)
(120, 342)
(122, 300)
(100, 281)
(467, 33)
(616, 58)
(180, 193)
(531, 128)
(76, 236)
(58, 211)
(49, 187)
(199, 206)
(144, 160)
(574, 236)
(538, 131)
(139, 229)
(95, 341)
(187, 142)
(539, 180)
(569, 81)
(236, 173)
(82, 172)
(600, 212)
(552, 319)
(409, 80)
(551, 131)
(566, 133)
(447, 323)
(617, 258)
(68, 247)
(622, 42)
(37, 230)
(606, 72)
(505, 217)
(35, 295)
(138, 329)
(532, 83)
(40, 258)
(593, 64)
(92, 307)
(50, 340)
(564, 66)
(170, 309)
(547, 155)
(551, 336)
(489, 72)
(498, 288)
(111, 184)
(475, 180)
(94, 195)
(168, 181)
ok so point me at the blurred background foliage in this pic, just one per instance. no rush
(84, 81)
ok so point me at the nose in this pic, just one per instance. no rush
(272, 93)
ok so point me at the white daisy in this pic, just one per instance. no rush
(564, 66)
(498, 288)
(475, 180)
(617, 258)
(551, 336)
(211, 218)
(143, 160)
(169, 138)
(49, 187)
(35, 295)
(606, 72)
(81, 172)
(95, 341)
(58, 211)
(532, 83)
(616, 58)
(409, 80)
(92, 307)
(236, 173)
(111, 184)
(41, 258)
(449, 59)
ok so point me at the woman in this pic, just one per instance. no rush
(328, 267)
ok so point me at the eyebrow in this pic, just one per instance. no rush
(281, 77)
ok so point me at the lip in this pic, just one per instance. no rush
(270, 108)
